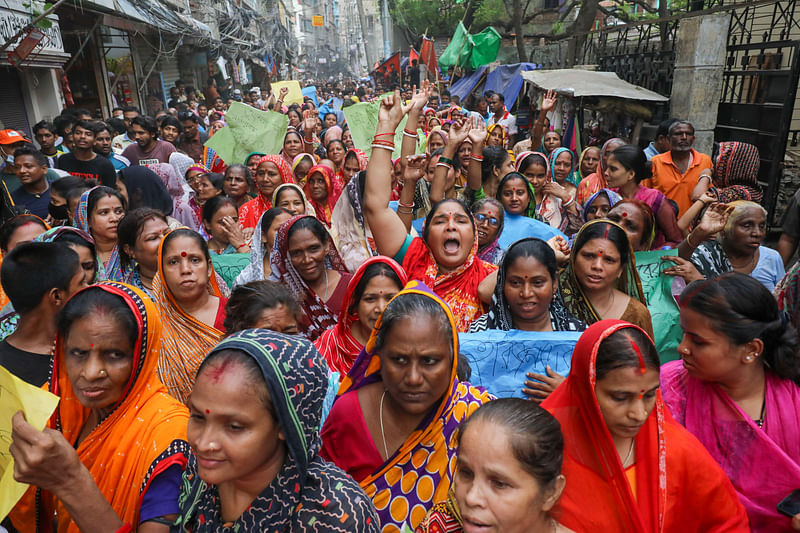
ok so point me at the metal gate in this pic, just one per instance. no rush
(759, 88)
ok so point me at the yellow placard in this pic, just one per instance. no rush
(38, 405)
(317, 21)
(295, 94)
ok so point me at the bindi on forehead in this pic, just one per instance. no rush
(183, 254)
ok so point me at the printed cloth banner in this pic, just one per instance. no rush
(500, 360)
(661, 303)
(249, 130)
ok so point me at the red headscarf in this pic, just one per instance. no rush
(324, 210)
(337, 344)
(251, 211)
(459, 288)
(362, 159)
(679, 486)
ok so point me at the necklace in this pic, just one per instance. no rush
(383, 434)
(609, 306)
(749, 265)
(630, 453)
(760, 421)
(325, 295)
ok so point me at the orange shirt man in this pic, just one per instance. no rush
(676, 172)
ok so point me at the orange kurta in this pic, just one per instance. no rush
(676, 186)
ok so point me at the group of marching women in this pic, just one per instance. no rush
(322, 387)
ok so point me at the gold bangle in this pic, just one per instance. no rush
(689, 240)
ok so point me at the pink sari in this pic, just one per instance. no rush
(748, 454)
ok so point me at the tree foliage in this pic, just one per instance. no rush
(517, 17)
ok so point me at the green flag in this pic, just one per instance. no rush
(470, 51)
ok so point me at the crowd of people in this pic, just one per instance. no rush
(273, 344)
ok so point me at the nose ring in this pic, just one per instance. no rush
(103, 373)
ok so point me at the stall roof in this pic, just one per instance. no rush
(574, 82)
(463, 86)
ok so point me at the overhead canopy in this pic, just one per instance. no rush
(506, 81)
(463, 86)
(575, 83)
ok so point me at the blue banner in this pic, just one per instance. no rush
(501, 359)
(311, 92)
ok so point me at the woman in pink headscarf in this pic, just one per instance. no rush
(597, 180)
(737, 389)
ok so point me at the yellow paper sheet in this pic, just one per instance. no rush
(38, 405)
(295, 94)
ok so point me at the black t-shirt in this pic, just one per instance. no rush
(33, 368)
(35, 203)
(99, 168)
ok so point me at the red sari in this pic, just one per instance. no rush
(679, 486)
(251, 211)
(338, 345)
(458, 288)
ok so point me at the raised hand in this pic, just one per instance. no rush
(459, 131)
(414, 167)
(392, 111)
(714, 219)
(422, 95)
(478, 132)
(309, 124)
(549, 101)
(284, 92)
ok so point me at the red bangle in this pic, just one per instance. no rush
(127, 528)
(382, 134)
(408, 206)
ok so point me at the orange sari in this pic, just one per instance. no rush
(143, 436)
(676, 487)
(186, 340)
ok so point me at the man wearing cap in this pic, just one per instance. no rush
(10, 140)
(237, 95)
(83, 162)
(255, 94)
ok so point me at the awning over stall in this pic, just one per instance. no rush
(576, 83)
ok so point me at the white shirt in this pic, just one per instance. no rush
(508, 122)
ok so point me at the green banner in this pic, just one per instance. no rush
(248, 130)
(362, 119)
(660, 302)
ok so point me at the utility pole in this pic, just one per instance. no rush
(387, 46)
(363, 23)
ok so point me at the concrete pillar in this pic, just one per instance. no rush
(42, 94)
(700, 53)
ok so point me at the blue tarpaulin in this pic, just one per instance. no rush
(507, 80)
(464, 86)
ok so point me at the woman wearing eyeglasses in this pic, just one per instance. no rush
(489, 220)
